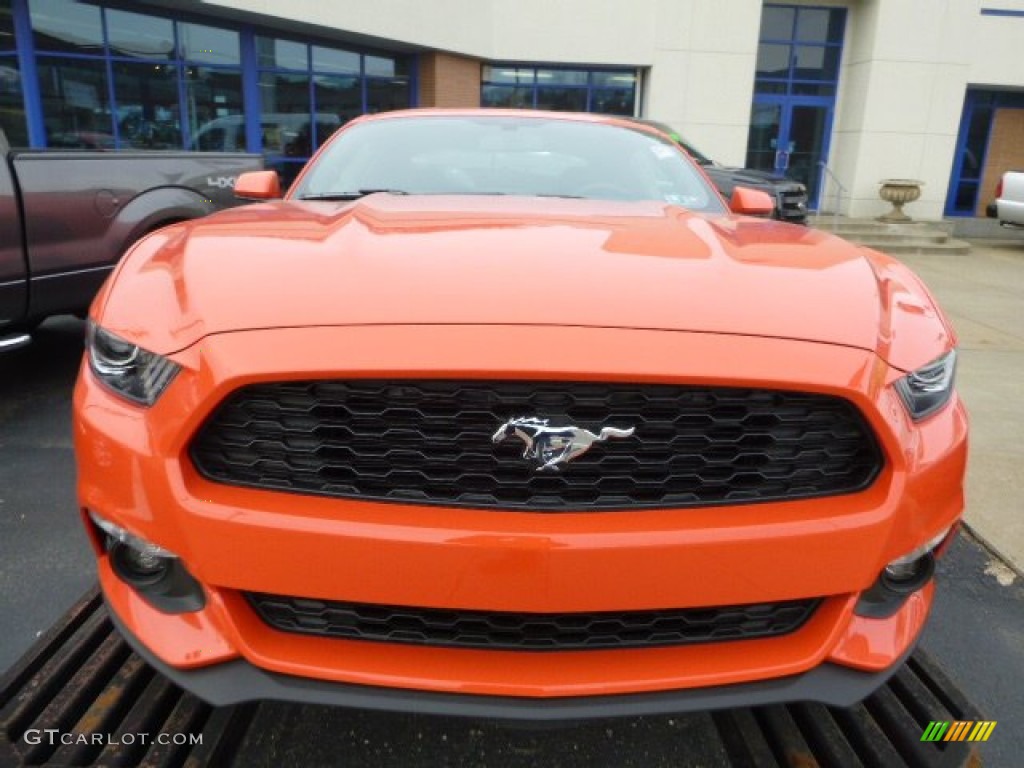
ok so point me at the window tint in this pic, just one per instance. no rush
(76, 109)
(123, 77)
(12, 110)
(133, 34)
(799, 50)
(58, 25)
(6, 26)
(147, 105)
(215, 100)
(211, 45)
(777, 23)
(281, 54)
(508, 75)
(336, 61)
(559, 89)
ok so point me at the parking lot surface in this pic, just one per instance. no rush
(983, 294)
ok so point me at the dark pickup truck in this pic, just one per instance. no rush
(67, 216)
(790, 196)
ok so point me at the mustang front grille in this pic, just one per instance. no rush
(530, 631)
(430, 442)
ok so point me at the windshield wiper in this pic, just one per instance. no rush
(352, 195)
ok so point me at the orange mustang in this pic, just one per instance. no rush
(507, 414)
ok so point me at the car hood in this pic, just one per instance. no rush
(417, 260)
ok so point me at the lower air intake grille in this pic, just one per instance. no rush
(530, 631)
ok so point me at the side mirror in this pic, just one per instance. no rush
(258, 185)
(751, 202)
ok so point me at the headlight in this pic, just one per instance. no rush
(131, 371)
(927, 389)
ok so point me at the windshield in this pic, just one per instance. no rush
(498, 155)
(673, 134)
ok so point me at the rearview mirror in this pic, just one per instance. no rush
(751, 202)
(258, 185)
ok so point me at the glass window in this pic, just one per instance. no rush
(812, 25)
(211, 45)
(285, 115)
(813, 89)
(281, 92)
(509, 75)
(605, 91)
(769, 86)
(561, 77)
(966, 196)
(147, 105)
(819, 25)
(12, 108)
(773, 60)
(613, 79)
(617, 101)
(281, 54)
(814, 62)
(339, 97)
(214, 99)
(977, 141)
(506, 97)
(777, 23)
(335, 61)
(6, 26)
(58, 25)
(76, 111)
(381, 66)
(562, 99)
(132, 34)
(385, 95)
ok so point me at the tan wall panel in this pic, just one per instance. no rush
(1005, 152)
(447, 80)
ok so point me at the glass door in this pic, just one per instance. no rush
(763, 139)
(795, 83)
(789, 136)
(807, 137)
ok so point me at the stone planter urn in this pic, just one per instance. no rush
(898, 192)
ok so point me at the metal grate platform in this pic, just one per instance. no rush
(82, 678)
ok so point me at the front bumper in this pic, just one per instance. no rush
(134, 470)
(238, 681)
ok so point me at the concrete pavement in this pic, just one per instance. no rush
(983, 294)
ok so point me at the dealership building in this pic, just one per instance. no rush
(839, 95)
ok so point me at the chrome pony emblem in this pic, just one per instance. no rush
(552, 446)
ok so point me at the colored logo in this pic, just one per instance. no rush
(958, 730)
(552, 446)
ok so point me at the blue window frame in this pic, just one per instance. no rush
(799, 50)
(578, 89)
(123, 77)
(797, 76)
(307, 91)
(972, 148)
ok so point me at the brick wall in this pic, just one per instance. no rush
(1005, 152)
(447, 80)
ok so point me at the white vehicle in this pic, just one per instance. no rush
(1009, 205)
